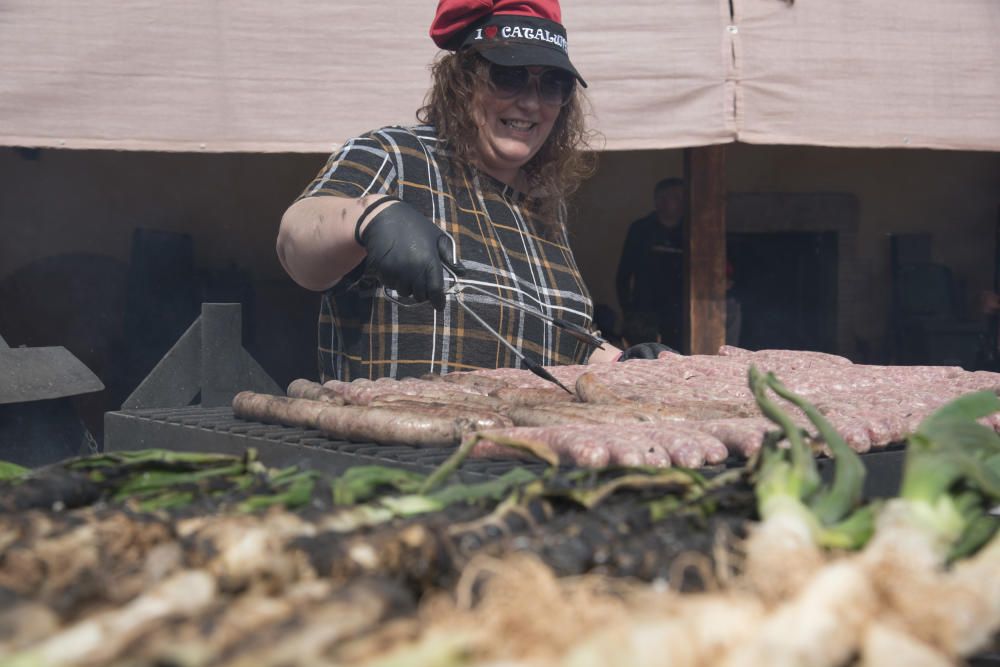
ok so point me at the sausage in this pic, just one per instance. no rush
(687, 446)
(596, 446)
(531, 395)
(390, 426)
(623, 413)
(570, 413)
(269, 409)
(570, 443)
(478, 381)
(742, 436)
(467, 401)
(477, 419)
(303, 388)
(384, 425)
(363, 392)
(592, 390)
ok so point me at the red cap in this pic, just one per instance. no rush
(505, 32)
(453, 17)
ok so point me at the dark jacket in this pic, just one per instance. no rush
(650, 276)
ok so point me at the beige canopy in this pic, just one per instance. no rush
(304, 75)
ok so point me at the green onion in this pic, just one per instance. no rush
(360, 483)
(298, 493)
(951, 476)
(11, 470)
(788, 482)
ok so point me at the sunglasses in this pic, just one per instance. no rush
(555, 86)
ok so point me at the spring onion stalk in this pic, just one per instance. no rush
(680, 483)
(900, 581)
(11, 470)
(535, 448)
(361, 483)
(157, 458)
(386, 508)
(296, 491)
(154, 481)
(450, 465)
(799, 514)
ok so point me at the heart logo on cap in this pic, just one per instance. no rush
(490, 32)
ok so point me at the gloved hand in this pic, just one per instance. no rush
(406, 253)
(645, 351)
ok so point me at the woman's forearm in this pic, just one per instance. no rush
(316, 243)
(606, 352)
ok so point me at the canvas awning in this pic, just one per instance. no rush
(302, 76)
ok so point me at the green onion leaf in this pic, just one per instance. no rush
(978, 532)
(967, 408)
(831, 503)
(11, 470)
(360, 483)
(851, 533)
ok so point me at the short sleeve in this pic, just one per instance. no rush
(362, 166)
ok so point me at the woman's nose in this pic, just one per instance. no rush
(531, 96)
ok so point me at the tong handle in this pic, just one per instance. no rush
(580, 333)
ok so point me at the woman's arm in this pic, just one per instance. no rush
(316, 243)
(606, 352)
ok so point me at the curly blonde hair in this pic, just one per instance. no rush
(559, 166)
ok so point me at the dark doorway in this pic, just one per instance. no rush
(786, 284)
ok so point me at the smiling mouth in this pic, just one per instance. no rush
(521, 125)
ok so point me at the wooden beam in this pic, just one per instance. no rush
(705, 259)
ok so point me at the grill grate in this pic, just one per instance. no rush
(216, 429)
(200, 429)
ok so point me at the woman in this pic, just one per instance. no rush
(477, 191)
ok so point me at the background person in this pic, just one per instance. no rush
(650, 278)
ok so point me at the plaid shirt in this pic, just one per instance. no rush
(497, 232)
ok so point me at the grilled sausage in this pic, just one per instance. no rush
(384, 425)
(591, 390)
(314, 391)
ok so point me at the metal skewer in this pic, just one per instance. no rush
(574, 330)
(532, 366)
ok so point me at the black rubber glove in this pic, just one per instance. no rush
(406, 253)
(646, 351)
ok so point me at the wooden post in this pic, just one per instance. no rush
(705, 259)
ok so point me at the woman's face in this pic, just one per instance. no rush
(512, 129)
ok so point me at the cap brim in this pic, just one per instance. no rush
(527, 55)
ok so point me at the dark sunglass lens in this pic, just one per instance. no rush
(508, 80)
(556, 86)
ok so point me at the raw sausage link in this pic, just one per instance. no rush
(591, 389)
(531, 395)
(314, 391)
(478, 420)
(385, 425)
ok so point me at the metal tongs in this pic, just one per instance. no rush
(459, 287)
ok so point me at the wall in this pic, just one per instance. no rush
(54, 202)
(953, 195)
(83, 207)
